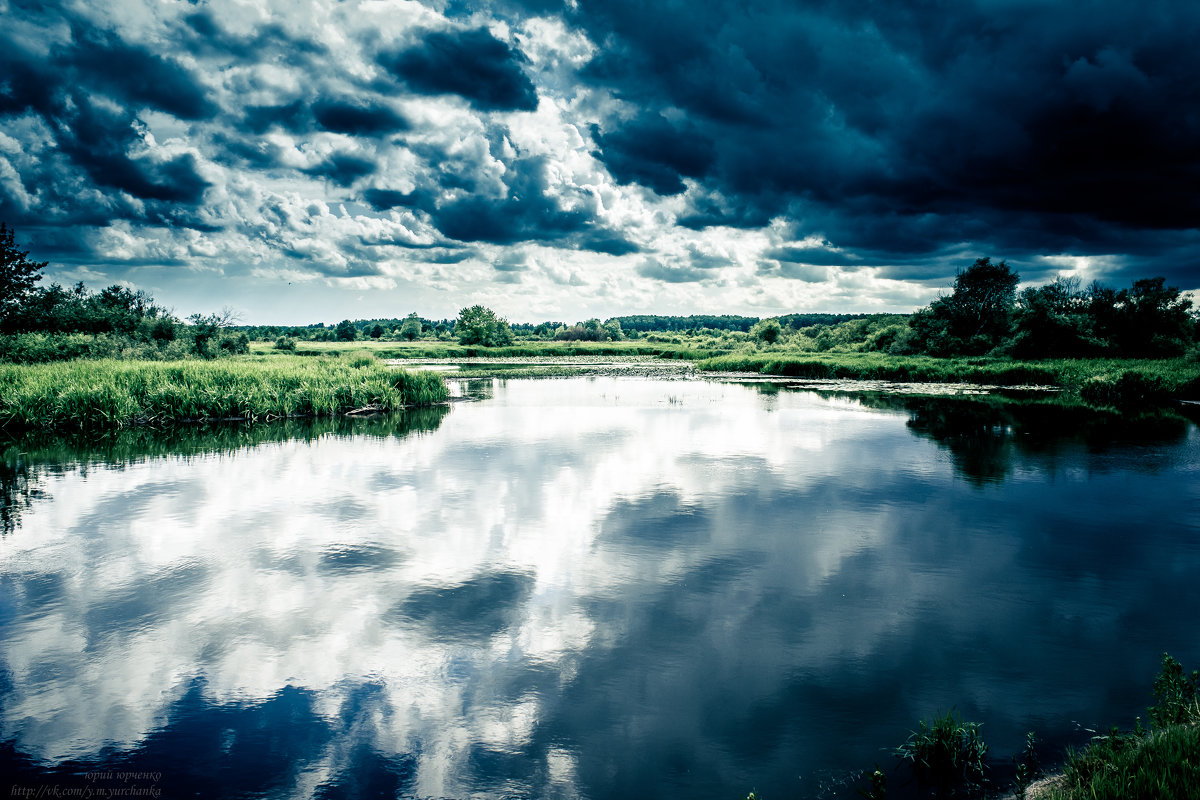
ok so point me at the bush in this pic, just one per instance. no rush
(285, 343)
(1177, 694)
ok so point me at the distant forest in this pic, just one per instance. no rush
(643, 323)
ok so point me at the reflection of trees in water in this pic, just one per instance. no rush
(15, 492)
(24, 460)
(988, 437)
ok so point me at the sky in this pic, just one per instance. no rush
(303, 161)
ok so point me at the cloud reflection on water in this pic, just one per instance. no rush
(579, 587)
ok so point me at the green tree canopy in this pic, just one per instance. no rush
(411, 329)
(767, 330)
(17, 273)
(480, 325)
(975, 317)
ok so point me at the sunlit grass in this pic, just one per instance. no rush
(114, 394)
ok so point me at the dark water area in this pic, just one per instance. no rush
(586, 588)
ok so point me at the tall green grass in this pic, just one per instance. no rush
(1161, 765)
(108, 394)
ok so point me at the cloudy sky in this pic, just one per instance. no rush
(310, 160)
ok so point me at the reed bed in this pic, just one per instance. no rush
(110, 394)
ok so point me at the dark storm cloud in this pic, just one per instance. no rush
(87, 95)
(342, 168)
(470, 63)
(293, 117)
(384, 199)
(609, 243)
(653, 152)
(954, 118)
(815, 256)
(358, 119)
(526, 213)
(99, 141)
(136, 75)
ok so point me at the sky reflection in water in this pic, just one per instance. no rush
(594, 588)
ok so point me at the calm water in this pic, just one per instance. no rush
(601, 588)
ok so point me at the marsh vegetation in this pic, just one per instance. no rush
(106, 394)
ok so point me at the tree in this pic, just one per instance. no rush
(1052, 321)
(983, 299)
(975, 317)
(377, 331)
(17, 273)
(1157, 320)
(480, 325)
(345, 331)
(411, 329)
(767, 330)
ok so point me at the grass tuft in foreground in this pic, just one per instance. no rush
(99, 395)
(946, 754)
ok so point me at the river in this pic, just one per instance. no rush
(592, 588)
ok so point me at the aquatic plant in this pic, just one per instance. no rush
(1028, 764)
(947, 754)
(878, 790)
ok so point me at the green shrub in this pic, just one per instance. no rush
(1177, 694)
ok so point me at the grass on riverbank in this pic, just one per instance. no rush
(948, 758)
(107, 394)
(1177, 377)
(1161, 763)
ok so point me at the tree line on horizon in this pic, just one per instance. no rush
(984, 314)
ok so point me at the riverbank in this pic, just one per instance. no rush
(1099, 381)
(678, 348)
(110, 394)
